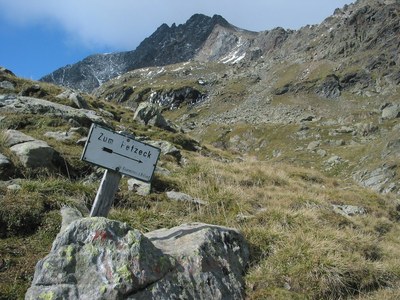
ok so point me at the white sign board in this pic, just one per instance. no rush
(121, 153)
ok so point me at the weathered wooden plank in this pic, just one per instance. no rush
(106, 194)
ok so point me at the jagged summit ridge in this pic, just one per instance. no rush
(167, 45)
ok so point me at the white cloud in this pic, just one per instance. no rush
(122, 24)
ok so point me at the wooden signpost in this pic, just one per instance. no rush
(120, 154)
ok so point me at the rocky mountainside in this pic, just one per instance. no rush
(297, 227)
(324, 96)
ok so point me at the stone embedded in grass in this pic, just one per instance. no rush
(349, 210)
(178, 196)
(139, 187)
(333, 161)
(61, 135)
(78, 100)
(14, 187)
(312, 146)
(69, 215)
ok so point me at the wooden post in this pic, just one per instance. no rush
(106, 194)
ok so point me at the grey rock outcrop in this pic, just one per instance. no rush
(6, 71)
(173, 99)
(7, 85)
(330, 88)
(211, 259)
(76, 99)
(29, 105)
(150, 114)
(381, 179)
(96, 258)
(392, 148)
(312, 146)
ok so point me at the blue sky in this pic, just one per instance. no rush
(40, 36)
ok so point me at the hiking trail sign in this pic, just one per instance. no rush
(120, 154)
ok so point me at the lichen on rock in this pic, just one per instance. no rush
(97, 258)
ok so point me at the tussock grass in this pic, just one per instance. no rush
(298, 243)
(300, 248)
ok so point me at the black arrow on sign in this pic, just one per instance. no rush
(108, 150)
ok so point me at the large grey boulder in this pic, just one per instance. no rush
(32, 153)
(35, 154)
(14, 137)
(211, 262)
(392, 111)
(150, 114)
(96, 258)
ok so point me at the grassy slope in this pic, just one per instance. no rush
(300, 248)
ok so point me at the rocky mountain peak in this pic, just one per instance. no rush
(167, 45)
(206, 21)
